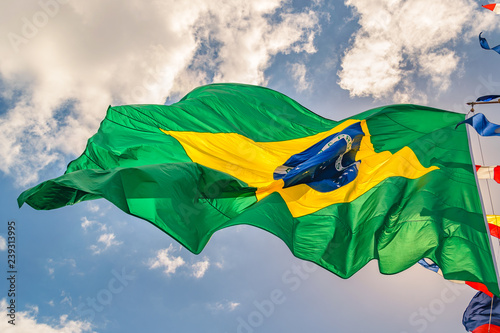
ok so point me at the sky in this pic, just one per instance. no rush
(92, 268)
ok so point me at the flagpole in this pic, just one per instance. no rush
(489, 102)
(494, 243)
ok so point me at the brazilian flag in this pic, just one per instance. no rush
(395, 183)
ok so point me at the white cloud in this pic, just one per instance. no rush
(224, 306)
(164, 259)
(401, 41)
(299, 72)
(86, 223)
(232, 305)
(32, 308)
(88, 55)
(438, 67)
(107, 240)
(27, 322)
(3, 244)
(199, 268)
(93, 207)
(66, 299)
(52, 264)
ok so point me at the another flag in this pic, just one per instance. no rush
(494, 7)
(487, 98)
(477, 316)
(484, 44)
(430, 265)
(394, 183)
(494, 225)
(488, 172)
(482, 125)
(487, 328)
